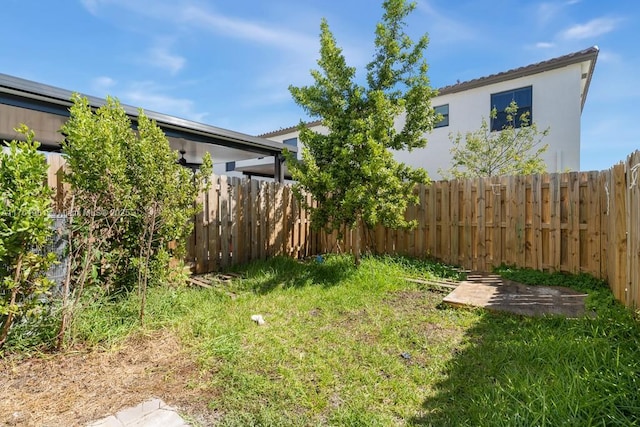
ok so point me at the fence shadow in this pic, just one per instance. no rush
(515, 370)
(284, 272)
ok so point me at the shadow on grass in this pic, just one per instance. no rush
(284, 272)
(514, 370)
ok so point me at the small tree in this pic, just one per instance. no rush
(130, 199)
(511, 151)
(350, 172)
(25, 226)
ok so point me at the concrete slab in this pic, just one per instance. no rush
(151, 413)
(494, 293)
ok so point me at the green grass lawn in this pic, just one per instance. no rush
(347, 346)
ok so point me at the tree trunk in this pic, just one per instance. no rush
(356, 244)
(4, 333)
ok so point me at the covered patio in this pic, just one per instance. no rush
(45, 108)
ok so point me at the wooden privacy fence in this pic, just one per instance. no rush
(243, 220)
(575, 222)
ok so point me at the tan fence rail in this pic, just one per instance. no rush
(575, 222)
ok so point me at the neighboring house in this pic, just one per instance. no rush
(45, 109)
(553, 91)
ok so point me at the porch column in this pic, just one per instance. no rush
(278, 168)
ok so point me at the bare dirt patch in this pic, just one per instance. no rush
(410, 300)
(76, 387)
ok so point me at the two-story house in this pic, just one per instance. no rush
(553, 91)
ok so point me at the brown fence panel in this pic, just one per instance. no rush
(55, 180)
(617, 275)
(575, 222)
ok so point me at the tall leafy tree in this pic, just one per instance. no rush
(511, 151)
(350, 171)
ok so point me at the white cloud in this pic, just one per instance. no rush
(150, 97)
(160, 57)
(102, 84)
(243, 29)
(548, 11)
(191, 14)
(593, 28)
(545, 45)
(91, 5)
(443, 29)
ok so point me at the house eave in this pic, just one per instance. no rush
(588, 55)
(40, 97)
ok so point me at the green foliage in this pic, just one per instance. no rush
(25, 226)
(350, 172)
(427, 268)
(130, 197)
(511, 151)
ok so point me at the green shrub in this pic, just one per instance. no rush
(25, 226)
(130, 199)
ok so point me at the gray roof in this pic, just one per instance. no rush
(587, 55)
(29, 94)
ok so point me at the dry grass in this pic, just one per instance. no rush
(77, 387)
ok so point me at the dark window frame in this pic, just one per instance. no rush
(290, 141)
(445, 117)
(501, 100)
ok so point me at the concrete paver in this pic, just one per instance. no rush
(151, 413)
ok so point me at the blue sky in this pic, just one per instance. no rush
(229, 63)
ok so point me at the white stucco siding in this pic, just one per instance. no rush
(556, 105)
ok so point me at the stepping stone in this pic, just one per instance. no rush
(152, 413)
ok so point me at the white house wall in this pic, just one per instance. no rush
(556, 105)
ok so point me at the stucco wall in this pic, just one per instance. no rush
(556, 105)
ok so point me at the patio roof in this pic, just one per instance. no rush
(192, 137)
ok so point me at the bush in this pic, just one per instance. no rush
(25, 226)
(130, 198)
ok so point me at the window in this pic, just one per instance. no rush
(444, 111)
(291, 141)
(523, 97)
(230, 166)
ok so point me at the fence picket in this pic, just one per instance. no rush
(481, 238)
(213, 232)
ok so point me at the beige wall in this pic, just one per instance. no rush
(45, 125)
